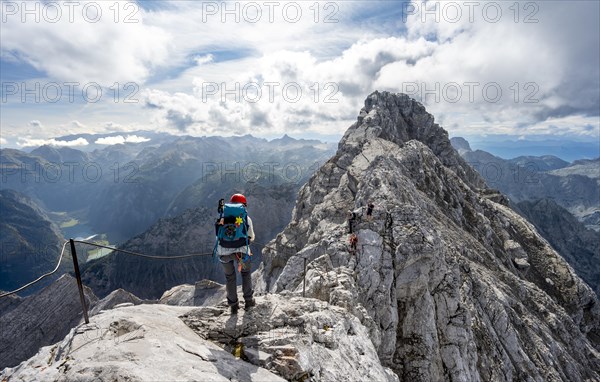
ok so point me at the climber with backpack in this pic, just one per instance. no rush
(235, 232)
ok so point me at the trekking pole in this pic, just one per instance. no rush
(79, 284)
(304, 281)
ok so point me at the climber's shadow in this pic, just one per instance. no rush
(235, 363)
(236, 369)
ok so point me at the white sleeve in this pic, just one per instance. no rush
(250, 230)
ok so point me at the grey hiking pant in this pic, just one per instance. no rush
(229, 266)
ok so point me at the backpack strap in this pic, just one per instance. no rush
(220, 210)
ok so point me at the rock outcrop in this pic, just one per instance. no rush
(282, 338)
(297, 338)
(116, 298)
(439, 275)
(204, 292)
(136, 343)
(26, 324)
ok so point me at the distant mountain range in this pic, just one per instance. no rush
(124, 190)
(574, 186)
(120, 191)
(567, 149)
(190, 232)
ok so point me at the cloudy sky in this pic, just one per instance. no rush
(495, 69)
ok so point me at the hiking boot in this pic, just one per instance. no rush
(249, 304)
(234, 308)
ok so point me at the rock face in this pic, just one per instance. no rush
(573, 241)
(439, 275)
(9, 303)
(40, 320)
(460, 144)
(115, 298)
(553, 195)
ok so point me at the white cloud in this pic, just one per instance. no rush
(543, 72)
(570, 125)
(519, 59)
(195, 30)
(201, 60)
(83, 51)
(557, 67)
(31, 142)
(573, 125)
(3, 141)
(264, 98)
(119, 139)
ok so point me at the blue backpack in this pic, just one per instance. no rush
(232, 227)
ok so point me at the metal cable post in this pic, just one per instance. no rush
(79, 284)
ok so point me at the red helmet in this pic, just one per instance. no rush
(238, 198)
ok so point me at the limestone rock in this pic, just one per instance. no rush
(579, 245)
(297, 338)
(115, 299)
(433, 278)
(137, 343)
(204, 292)
(9, 302)
(521, 263)
(41, 320)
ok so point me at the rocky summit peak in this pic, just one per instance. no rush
(451, 283)
(397, 118)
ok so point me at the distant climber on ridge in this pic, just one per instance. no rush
(235, 232)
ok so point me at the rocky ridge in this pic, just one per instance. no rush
(282, 338)
(452, 284)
